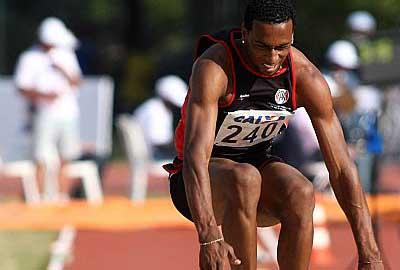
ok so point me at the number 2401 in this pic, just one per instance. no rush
(252, 136)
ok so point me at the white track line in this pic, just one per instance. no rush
(61, 249)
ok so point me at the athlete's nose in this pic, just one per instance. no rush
(271, 57)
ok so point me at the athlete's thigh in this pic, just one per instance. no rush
(279, 182)
(222, 183)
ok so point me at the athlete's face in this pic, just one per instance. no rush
(268, 45)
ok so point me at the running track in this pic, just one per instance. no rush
(121, 236)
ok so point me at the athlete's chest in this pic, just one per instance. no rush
(259, 112)
(262, 94)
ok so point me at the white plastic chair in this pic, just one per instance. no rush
(85, 170)
(320, 175)
(140, 162)
(26, 171)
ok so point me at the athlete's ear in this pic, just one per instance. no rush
(244, 32)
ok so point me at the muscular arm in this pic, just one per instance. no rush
(314, 95)
(208, 84)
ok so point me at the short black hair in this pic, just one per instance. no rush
(269, 11)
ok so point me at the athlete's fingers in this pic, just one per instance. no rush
(220, 265)
(232, 257)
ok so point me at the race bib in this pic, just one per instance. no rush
(250, 127)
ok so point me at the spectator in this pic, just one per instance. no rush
(155, 116)
(341, 75)
(362, 26)
(48, 75)
(379, 65)
(357, 106)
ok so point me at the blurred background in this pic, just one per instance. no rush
(133, 61)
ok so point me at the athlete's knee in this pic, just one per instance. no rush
(246, 178)
(246, 183)
(301, 204)
(306, 197)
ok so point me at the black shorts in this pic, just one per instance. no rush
(178, 194)
(177, 185)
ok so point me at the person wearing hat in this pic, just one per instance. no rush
(47, 75)
(341, 74)
(356, 104)
(361, 25)
(155, 116)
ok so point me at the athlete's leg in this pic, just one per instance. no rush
(235, 190)
(289, 197)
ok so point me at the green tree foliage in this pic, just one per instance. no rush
(321, 22)
(146, 32)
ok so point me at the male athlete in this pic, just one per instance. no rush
(244, 87)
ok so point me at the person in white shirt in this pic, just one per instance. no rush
(357, 104)
(48, 75)
(155, 115)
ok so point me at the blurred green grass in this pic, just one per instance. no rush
(25, 250)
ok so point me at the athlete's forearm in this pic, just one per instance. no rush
(352, 200)
(198, 192)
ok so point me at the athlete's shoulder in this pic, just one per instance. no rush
(216, 52)
(304, 68)
(302, 64)
(214, 59)
(216, 47)
(311, 85)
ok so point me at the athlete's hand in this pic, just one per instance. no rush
(372, 266)
(217, 256)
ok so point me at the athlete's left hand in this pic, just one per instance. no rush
(371, 266)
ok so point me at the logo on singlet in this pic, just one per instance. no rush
(281, 96)
(241, 97)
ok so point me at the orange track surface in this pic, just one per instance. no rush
(119, 213)
(153, 236)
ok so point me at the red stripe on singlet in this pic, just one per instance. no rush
(180, 130)
(293, 73)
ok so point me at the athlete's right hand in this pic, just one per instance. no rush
(217, 256)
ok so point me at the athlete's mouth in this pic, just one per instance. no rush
(269, 69)
(269, 66)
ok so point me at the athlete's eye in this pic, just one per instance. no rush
(282, 47)
(260, 47)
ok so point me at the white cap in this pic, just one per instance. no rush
(368, 98)
(336, 91)
(344, 54)
(361, 21)
(52, 31)
(172, 88)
